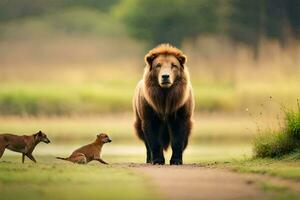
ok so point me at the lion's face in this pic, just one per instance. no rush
(166, 68)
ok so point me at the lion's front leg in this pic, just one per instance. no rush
(151, 129)
(180, 130)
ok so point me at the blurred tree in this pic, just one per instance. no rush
(157, 21)
(252, 21)
(293, 14)
(11, 9)
(246, 22)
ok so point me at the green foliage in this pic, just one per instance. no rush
(243, 21)
(53, 100)
(173, 21)
(108, 96)
(273, 144)
(11, 9)
(293, 123)
(103, 97)
(71, 20)
(169, 21)
(82, 20)
(251, 21)
(293, 7)
(276, 144)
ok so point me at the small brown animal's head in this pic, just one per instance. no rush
(103, 138)
(166, 63)
(41, 137)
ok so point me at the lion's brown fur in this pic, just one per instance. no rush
(152, 101)
(164, 49)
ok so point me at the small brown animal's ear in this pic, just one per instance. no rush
(182, 59)
(149, 59)
(40, 133)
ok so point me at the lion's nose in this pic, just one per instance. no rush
(165, 76)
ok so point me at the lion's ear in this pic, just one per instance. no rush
(149, 59)
(182, 59)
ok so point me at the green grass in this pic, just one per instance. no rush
(278, 192)
(111, 95)
(287, 167)
(51, 179)
(55, 179)
(282, 142)
(35, 99)
(94, 98)
(267, 186)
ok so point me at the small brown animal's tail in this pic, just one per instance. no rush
(62, 158)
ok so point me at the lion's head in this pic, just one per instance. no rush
(166, 63)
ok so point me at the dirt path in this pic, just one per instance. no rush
(191, 182)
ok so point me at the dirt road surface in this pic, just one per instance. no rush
(191, 182)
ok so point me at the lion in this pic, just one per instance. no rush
(163, 104)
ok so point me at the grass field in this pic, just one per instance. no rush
(284, 168)
(69, 130)
(51, 179)
(229, 143)
(55, 179)
(218, 140)
(105, 96)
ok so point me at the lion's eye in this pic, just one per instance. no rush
(158, 65)
(174, 66)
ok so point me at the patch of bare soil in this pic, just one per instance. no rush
(189, 182)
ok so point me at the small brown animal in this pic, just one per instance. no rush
(24, 144)
(89, 152)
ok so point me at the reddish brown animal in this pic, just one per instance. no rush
(89, 152)
(24, 144)
(163, 104)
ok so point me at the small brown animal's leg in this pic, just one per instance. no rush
(78, 158)
(30, 156)
(23, 157)
(2, 149)
(102, 161)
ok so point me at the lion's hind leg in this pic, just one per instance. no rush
(140, 134)
(78, 158)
